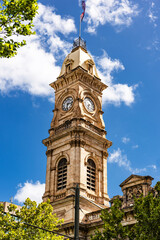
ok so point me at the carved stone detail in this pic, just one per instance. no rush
(75, 134)
(135, 186)
(77, 143)
(49, 152)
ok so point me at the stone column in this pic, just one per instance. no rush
(48, 172)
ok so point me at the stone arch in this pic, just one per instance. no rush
(62, 174)
(91, 175)
(66, 93)
(58, 158)
(91, 93)
(90, 156)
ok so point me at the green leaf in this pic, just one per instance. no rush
(13, 13)
(30, 215)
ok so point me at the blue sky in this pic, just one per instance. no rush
(123, 37)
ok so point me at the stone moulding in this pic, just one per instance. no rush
(79, 75)
(68, 124)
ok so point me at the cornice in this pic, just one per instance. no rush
(69, 123)
(78, 137)
(78, 74)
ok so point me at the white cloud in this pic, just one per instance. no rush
(152, 14)
(152, 17)
(36, 66)
(116, 12)
(117, 157)
(34, 191)
(48, 24)
(107, 66)
(154, 167)
(154, 45)
(135, 146)
(52, 23)
(115, 93)
(125, 140)
(121, 159)
(30, 71)
(37, 63)
(118, 93)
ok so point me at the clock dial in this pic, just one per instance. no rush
(67, 103)
(88, 103)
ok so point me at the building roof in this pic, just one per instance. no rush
(79, 57)
(134, 178)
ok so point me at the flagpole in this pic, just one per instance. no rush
(81, 18)
(80, 28)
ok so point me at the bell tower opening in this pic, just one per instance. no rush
(91, 175)
(77, 145)
(62, 174)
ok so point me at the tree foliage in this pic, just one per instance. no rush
(16, 19)
(19, 227)
(146, 213)
(112, 228)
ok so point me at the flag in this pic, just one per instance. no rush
(83, 7)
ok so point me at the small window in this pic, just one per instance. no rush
(68, 68)
(62, 174)
(90, 69)
(91, 175)
(68, 65)
(89, 66)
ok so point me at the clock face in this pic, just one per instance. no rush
(88, 103)
(67, 103)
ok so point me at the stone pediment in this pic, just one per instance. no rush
(135, 186)
(68, 61)
(135, 179)
(90, 61)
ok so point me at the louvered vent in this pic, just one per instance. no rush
(91, 174)
(62, 174)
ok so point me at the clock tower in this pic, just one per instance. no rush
(77, 144)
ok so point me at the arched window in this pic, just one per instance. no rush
(62, 174)
(91, 174)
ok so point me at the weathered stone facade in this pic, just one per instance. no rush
(133, 186)
(77, 144)
(77, 148)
